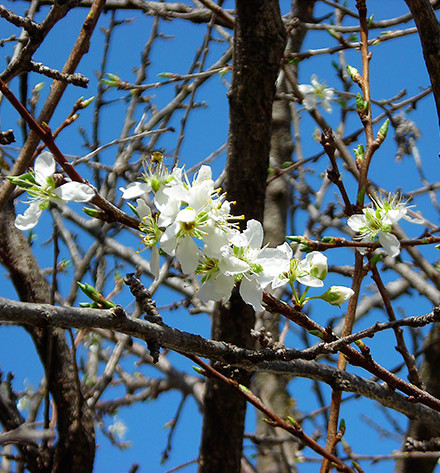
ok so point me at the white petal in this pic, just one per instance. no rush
(419, 220)
(213, 241)
(168, 240)
(390, 243)
(315, 263)
(135, 189)
(187, 215)
(142, 209)
(44, 167)
(326, 105)
(306, 89)
(199, 196)
(311, 281)
(279, 282)
(205, 172)
(274, 261)
(187, 254)
(252, 293)
(30, 217)
(231, 265)
(75, 191)
(356, 222)
(216, 288)
(254, 233)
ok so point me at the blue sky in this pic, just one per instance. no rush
(394, 66)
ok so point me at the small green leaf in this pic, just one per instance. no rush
(199, 370)
(382, 133)
(92, 212)
(316, 333)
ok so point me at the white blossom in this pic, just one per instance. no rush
(155, 176)
(316, 93)
(243, 261)
(311, 271)
(378, 222)
(40, 185)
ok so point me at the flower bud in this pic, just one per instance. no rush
(354, 74)
(359, 153)
(337, 295)
(382, 133)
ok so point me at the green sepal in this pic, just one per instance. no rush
(342, 425)
(92, 212)
(361, 195)
(382, 133)
(359, 152)
(199, 370)
(317, 333)
(376, 258)
(294, 238)
(361, 104)
(294, 422)
(24, 181)
(244, 388)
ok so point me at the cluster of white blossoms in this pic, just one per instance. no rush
(191, 221)
(41, 187)
(378, 222)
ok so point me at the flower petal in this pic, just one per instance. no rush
(135, 189)
(356, 222)
(30, 217)
(216, 288)
(142, 209)
(44, 167)
(252, 293)
(254, 233)
(75, 191)
(390, 243)
(187, 254)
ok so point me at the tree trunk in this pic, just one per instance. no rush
(75, 449)
(259, 40)
(417, 430)
(272, 389)
(429, 32)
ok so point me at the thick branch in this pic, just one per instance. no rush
(429, 32)
(267, 360)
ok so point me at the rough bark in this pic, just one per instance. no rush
(75, 448)
(259, 40)
(429, 32)
(271, 388)
(419, 430)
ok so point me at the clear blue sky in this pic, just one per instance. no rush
(395, 66)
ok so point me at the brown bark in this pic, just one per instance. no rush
(418, 430)
(259, 40)
(271, 388)
(429, 32)
(75, 448)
